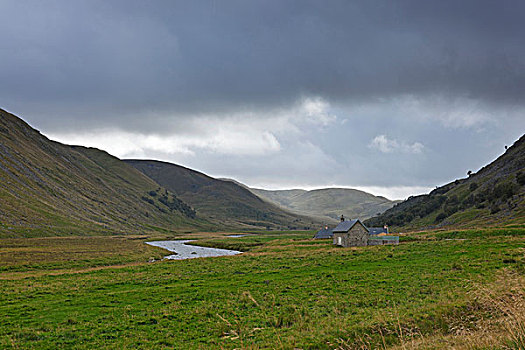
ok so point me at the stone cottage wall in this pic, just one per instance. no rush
(356, 237)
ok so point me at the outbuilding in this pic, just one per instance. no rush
(350, 233)
(324, 233)
(378, 230)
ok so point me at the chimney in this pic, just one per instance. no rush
(342, 218)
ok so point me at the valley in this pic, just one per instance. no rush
(252, 175)
(77, 272)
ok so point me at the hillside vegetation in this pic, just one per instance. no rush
(328, 203)
(47, 188)
(493, 195)
(225, 203)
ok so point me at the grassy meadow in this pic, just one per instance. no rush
(462, 289)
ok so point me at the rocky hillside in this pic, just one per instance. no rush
(47, 188)
(493, 195)
(328, 203)
(225, 203)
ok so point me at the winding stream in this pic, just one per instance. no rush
(185, 251)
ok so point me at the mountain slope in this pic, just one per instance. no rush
(47, 188)
(224, 202)
(493, 195)
(329, 203)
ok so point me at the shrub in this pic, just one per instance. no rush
(468, 201)
(441, 217)
(149, 200)
(450, 209)
(504, 190)
(178, 205)
(452, 200)
(473, 186)
(520, 177)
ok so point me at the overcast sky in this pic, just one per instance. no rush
(394, 97)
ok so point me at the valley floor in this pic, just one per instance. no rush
(462, 289)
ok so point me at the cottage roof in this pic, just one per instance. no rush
(345, 226)
(324, 233)
(377, 230)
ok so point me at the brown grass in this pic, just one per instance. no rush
(73, 253)
(496, 321)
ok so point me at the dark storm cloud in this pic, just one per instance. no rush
(284, 93)
(111, 60)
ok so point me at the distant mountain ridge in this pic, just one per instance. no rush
(223, 202)
(493, 195)
(328, 203)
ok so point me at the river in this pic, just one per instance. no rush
(185, 251)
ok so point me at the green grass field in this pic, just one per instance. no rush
(287, 291)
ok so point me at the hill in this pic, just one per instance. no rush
(223, 202)
(328, 203)
(47, 188)
(493, 195)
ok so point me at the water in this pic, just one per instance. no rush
(186, 251)
(236, 236)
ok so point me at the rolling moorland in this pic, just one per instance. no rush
(449, 287)
(224, 203)
(48, 189)
(328, 203)
(495, 195)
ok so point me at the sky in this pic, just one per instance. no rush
(391, 97)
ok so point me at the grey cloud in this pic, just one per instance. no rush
(121, 57)
(167, 68)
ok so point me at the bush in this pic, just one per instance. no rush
(441, 217)
(149, 200)
(469, 201)
(473, 186)
(452, 200)
(504, 190)
(178, 205)
(494, 209)
(450, 209)
(520, 177)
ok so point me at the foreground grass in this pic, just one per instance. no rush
(285, 292)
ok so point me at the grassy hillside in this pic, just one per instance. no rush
(329, 203)
(225, 203)
(493, 195)
(47, 188)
